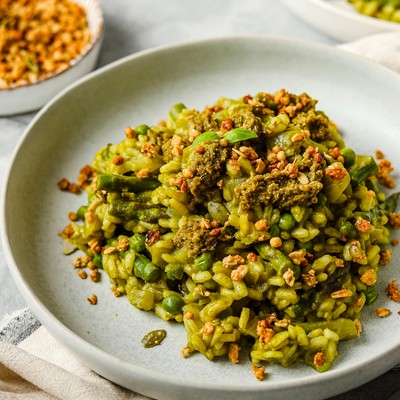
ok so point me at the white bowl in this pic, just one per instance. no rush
(33, 96)
(360, 96)
(338, 19)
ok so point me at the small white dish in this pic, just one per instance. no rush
(33, 96)
(338, 19)
(360, 96)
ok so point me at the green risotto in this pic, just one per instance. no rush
(250, 222)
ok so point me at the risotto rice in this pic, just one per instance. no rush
(250, 222)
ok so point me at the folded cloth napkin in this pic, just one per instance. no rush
(383, 48)
(35, 366)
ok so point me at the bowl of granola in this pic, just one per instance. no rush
(44, 46)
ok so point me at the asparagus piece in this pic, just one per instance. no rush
(364, 167)
(128, 210)
(122, 183)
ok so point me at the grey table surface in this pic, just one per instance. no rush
(135, 25)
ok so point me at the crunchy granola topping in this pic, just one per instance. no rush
(188, 315)
(66, 185)
(81, 261)
(319, 359)
(309, 278)
(335, 171)
(239, 273)
(149, 150)
(109, 250)
(208, 328)
(233, 261)
(379, 154)
(123, 244)
(394, 220)
(233, 352)
(226, 125)
(341, 293)
(382, 312)
(82, 273)
(261, 225)
(385, 168)
(362, 224)
(369, 277)
(118, 160)
(385, 256)
(152, 236)
(275, 242)
(129, 132)
(39, 38)
(252, 257)
(92, 300)
(289, 278)
(298, 257)
(392, 291)
(177, 145)
(95, 275)
(259, 371)
(143, 173)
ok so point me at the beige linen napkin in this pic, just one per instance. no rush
(383, 48)
(40, 368)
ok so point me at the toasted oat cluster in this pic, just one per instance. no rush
(39, 38)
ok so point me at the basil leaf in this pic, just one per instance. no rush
(239, 134)
(205, 137)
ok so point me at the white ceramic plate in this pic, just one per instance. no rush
(358, 95)
(338, 19)
(31, 97)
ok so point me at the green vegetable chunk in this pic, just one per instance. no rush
(128, 210)
(154, 338)
(145, 269)
(141, 129)
(204, 261)
(122, 183)
(287, 222)
(176, 110)
(363, 168)
(173, 304)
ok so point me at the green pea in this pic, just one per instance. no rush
(348, 229)
(174, 271)
(98, 260)
(349, 156)
(173, 304)
(204, 261)
(137, 242)
(287, 222)
(81, 212)
(141, 129)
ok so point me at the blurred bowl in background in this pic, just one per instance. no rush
(32, 96)
(338, 19)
